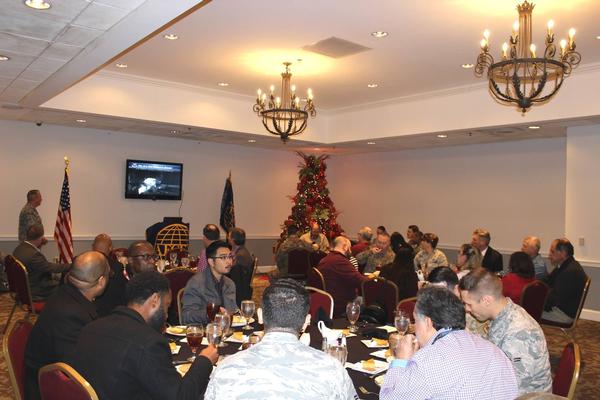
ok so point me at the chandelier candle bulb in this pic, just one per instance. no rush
(483, 44)
(550, 27)
(563, 47)
(532, 49)
(505, 50)
(515, 32)
(486, 35)
(571, 38)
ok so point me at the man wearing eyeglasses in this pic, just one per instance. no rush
(210, 285)
(141, 257)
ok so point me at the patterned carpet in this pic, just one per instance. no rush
(587, 388)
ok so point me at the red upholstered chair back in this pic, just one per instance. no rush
(382, 292)
(408, 307)
(298, 263)
(567, 373)
(178, 278)
(60, 381)
(18, 281)
(319, 299)
(533, 298)
(315, 258)
(13, 349)
(316, 279)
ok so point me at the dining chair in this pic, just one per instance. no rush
(13, 348)
(533, 298)
(568, 329)
(178, 278)
(18, 286)
(316, 279)
(383, 292)
(408, 307)
(60, 381)
(298, 263)
(319, 299)
(567, 372)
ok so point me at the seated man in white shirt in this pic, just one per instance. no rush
(280, 366)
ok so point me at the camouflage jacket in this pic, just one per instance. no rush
(373, 260)
(28, 217)
(321, 242)
(426, 262)
(523, 341)
(280, 367)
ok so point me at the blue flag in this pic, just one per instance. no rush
(227, 219)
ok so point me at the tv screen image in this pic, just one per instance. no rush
(154, 180)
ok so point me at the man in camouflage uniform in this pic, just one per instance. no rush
(314, 238)
(280, 366)
(378, 255)
(291, 243)
(512, 329)
(29, 215)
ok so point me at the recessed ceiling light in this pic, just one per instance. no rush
(121, 65)
(372, 85)
(467, 66)
(171, 36)
(37, 4)
(379, 34)
(251, 141)
(223, 84)
(370, 142)
(442, 136)
(4, 58)
(534, 127)
(81, 121)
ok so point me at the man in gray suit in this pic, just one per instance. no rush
(40, 270)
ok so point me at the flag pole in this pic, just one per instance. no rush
(67, 162)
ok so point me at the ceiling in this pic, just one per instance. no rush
(244, 43)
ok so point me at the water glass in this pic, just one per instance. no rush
(353, 312)
(401, 322)
(185, 262)
(224, 321)
(173, 258)
(340, 353)
(247, 310)
(213, 334)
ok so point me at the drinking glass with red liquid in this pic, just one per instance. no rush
(194, 335)
(211, 310)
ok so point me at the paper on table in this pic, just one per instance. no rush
(382, 354)
(388, 329)
(175, 349)
(372, 344)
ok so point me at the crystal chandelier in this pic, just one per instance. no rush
(284, 116)
(521, 77)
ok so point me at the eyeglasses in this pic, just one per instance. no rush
(224, 257)
(146, 257)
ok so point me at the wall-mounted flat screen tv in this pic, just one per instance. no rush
(153, 180)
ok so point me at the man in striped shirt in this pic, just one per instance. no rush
(444, 361)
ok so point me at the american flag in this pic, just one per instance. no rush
(62, 231)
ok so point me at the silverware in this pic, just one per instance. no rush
(364, 390)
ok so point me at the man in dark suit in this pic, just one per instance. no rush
(566, 283)
(70, 308)
(490, 258)
(40, 270)
(342, 279)
(125, 356)
(114, 295)
(243, 265)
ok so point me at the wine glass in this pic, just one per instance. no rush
(213, 334)
(194, 335)
(173, 258)
(401, 322)
(353, 312)
(211, 311)
(247, 310)
(224, 321)
(340, 353)
(185, 262)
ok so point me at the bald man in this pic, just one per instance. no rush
(114, 295)
(67, 311)
(141, 257)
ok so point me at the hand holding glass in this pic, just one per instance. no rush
(353, 312)
(194, 335)
(401, 322)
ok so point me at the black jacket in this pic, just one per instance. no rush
(241, 275)
(123, 357)
(566, 287)
(492, 260)
(114, 294)
(56, 331)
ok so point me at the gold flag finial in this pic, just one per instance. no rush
(67, 163)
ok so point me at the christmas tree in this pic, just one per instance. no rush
(312, 202)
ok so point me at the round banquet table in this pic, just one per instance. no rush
(357, 351)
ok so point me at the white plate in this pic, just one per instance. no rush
(238, 321)
(374, 345)
(380, 366)
(381, 354)
(183, 368)
(176, 330)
